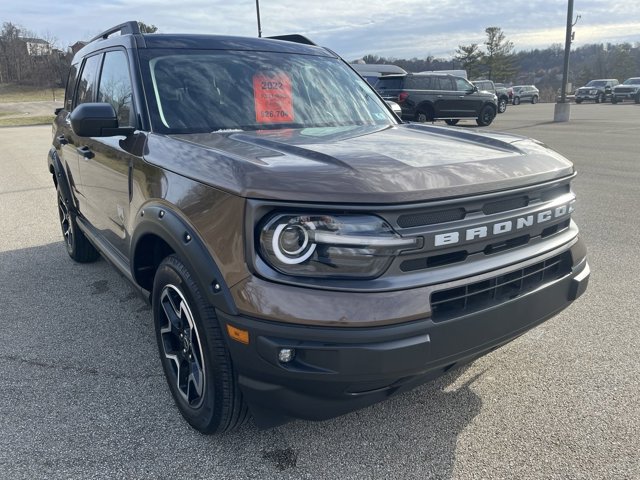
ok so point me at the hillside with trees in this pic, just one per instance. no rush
(496, 59)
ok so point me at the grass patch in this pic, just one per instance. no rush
(25, 121)
(23, 93)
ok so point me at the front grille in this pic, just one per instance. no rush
(477, 296)
(625, 90)
(431, 218)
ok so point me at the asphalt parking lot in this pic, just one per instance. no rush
(83, 395)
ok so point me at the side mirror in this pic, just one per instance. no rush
(97, 120)
(395, 107)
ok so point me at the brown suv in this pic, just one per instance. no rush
(305, 254)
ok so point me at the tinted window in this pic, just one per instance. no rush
(418, 83)
(204, 91)
(462, 85)
(86, 86)
(71, 83)
(115, 86)
(389, 83)
(444, 83)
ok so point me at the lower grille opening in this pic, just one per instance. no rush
(433, 261)
(477, 296)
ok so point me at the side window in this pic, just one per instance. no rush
(71, 83)
(115, 86)
(424, 83)
(86, 86)
(462, 85)
(443, 83)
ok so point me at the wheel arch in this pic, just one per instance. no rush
(160, 232)
(60, 177)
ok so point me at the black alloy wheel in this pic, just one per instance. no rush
(193, 352)
(182, 346)
(487, 114)
(76, 243)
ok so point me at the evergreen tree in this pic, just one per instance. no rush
(470, 57)
(499, 57)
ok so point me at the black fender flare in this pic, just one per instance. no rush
(160, 220)
(60, 178)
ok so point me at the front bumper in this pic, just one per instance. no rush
(587, 96)
(625, 96)
(336, 370)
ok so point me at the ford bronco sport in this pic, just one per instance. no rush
(305, 253)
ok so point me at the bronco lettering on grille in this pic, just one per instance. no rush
(498, 228)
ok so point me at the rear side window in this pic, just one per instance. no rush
(389, 84)
(115, 86)
(71, 83)
(419, 83)
(87, 84)
(444, 83)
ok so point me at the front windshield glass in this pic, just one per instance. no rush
(596, 83)
(632, 81)
(195, 91)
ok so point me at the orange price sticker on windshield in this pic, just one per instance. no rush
(272, 95)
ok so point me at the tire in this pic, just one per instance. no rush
(502, 105)
(424, 116)
(452, 122)
(195, 359)
(600, 98)
(578, 101)
(78, 246)
(614, 100)
(516, 100)
(487, 114)
(637, 99)
(534, 99)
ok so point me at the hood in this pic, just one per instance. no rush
(391, 164)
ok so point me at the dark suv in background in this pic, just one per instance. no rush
(433, 96)
(596, 90)
(499, 91)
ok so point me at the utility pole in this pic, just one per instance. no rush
(258, 14)
(567, 50)
(562, 111)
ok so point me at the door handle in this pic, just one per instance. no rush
(439, 96)
(62, 140)
(85, 152)
(460, 96)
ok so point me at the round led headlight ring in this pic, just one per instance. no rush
(291, 244)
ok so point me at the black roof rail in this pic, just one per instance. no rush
(125, 28)
(295, 38)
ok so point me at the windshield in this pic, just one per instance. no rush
(597, 83)
(632, 81)
(196, 91)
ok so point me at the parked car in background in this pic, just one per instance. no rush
(499, 92)
(435, 96)
(597, 90)
(525, 93)
(371, 72)
(629, 90)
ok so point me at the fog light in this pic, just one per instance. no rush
(285, 355)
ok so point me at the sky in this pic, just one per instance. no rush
(352, 28)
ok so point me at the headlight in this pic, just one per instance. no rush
(356, 246)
